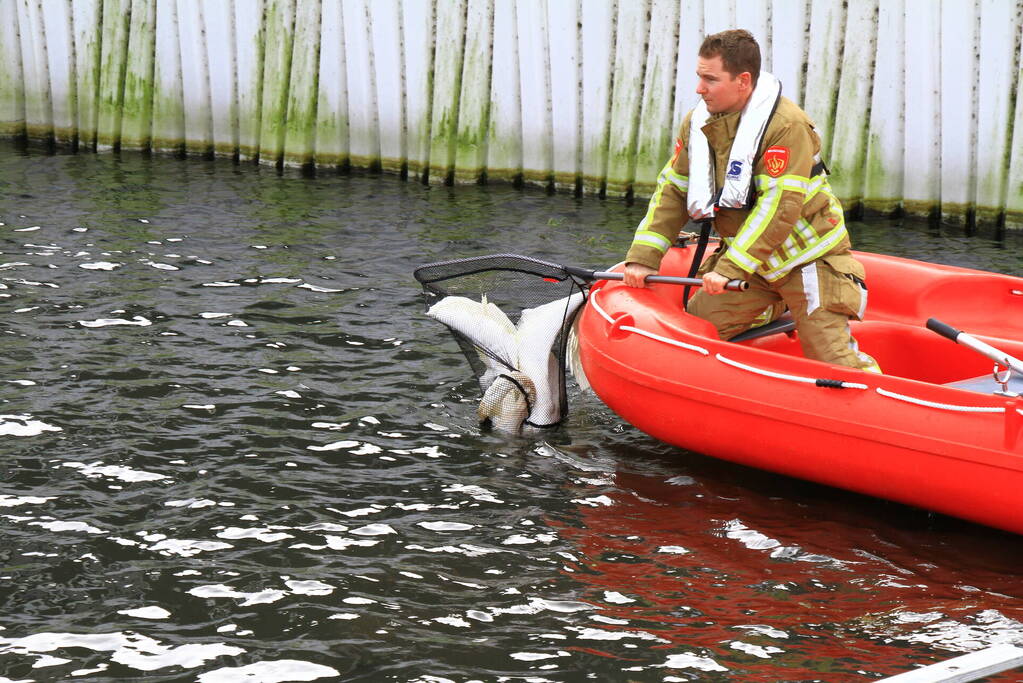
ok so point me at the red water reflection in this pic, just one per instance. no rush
(774, 588)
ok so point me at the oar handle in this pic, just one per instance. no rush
(734, 285)
(944, 329)
(971, 342)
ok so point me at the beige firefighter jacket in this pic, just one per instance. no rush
(795, 217)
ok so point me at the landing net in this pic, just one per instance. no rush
(511, 315)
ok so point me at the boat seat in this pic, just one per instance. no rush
(783, 324)
(986, 384)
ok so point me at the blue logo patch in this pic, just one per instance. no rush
(734, 169)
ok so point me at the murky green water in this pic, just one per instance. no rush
(234, 448)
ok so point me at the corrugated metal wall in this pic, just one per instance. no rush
(917, 99)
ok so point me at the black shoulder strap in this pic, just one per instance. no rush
(701, 249)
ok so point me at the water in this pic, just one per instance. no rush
(235, 449)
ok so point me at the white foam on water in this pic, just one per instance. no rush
(159, 266)
(691, 661)
(151, 612)
(187, 547)
(266, 534)
(191, 503)
(616, 597)
(24, 425)
(44, 661)
(446, 526)
(333, 426)
(474, 492)
(673, 550)
(58, 525)
(538, 656)
(310, 587)
(7, 501)
(270, 672)
(335, 446)
(136, 321)
(219, 590)
(98, 469)
(763, 652)
(100, 265)
(314, 288)
(210, 315)
(129, 649)
(374, 530)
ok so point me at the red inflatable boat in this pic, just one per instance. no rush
(937, 430)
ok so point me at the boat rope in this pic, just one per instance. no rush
(644, 333)
(820, 382)
(830, 383)
(942, 406)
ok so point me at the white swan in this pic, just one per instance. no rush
(520, 350)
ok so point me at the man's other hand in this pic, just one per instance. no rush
(713, 283)
(635, 274)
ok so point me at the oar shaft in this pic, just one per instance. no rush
(971, 342)
(735, 285)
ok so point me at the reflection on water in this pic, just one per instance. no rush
(236, 449)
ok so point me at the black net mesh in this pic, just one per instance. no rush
(511, 316)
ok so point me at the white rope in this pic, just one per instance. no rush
(666, 340)
(650, 335)
(942, 406)
(778, 375)
(603, 314)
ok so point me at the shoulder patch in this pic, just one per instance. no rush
(776, 160)
(678, 148)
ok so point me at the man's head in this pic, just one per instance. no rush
(727, 68)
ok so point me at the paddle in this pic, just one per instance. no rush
(971, 342)
(735, 285)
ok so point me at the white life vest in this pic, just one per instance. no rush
(735, 194)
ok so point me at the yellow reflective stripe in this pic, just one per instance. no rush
(667, 175)
(677, 179)
(817, 184)
(756, 222)
(740, 258)
(806, 231)
(819, 248)
(793, 183)
(651, 239)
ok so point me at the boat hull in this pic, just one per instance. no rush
(903, 436)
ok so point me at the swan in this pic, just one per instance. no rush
(519, 352)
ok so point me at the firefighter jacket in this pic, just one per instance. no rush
(795, 217)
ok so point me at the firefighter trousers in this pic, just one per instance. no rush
(822, 295)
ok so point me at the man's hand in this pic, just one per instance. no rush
(713, 283)
(635, 274)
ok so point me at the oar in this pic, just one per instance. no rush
(735, 285)
(971, 342)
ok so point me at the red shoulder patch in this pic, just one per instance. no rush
(776, 160)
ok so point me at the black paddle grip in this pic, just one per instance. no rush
(935, 325)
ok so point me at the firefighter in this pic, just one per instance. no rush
(749, 159)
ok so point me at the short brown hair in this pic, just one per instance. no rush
(738, 50)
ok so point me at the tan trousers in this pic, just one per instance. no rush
(822, 295)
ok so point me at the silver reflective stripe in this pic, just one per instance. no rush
(811, 287)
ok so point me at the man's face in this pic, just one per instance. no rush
(719, 90)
